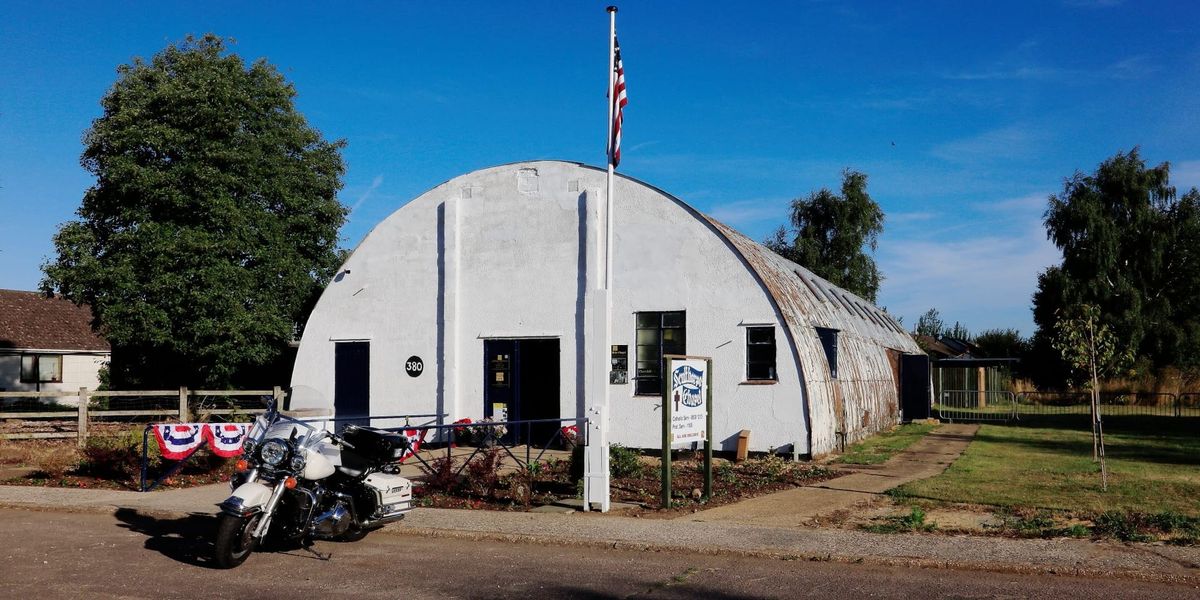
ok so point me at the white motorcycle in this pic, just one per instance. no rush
(297, 483)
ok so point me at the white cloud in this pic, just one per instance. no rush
(375, 183)
(1028, 72)
(1023, 204)
(1185, 175)
(1005, 143)
(903, 218)
(744, 212)
(985, 281)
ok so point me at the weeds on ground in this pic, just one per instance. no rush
(913, 521)
(1129, 526)
(1036, 523)
(56, 461)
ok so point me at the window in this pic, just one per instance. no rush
(41, 368)
(829, 343)
(658, 333)
(760, 354)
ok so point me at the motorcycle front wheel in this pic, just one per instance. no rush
(235, 539)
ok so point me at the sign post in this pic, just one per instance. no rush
(687, 414)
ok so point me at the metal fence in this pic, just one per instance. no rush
(522, 444)
(974, 405)
(176, 465)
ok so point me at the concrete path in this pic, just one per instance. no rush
(863, 485)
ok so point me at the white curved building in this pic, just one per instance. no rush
(487, 295)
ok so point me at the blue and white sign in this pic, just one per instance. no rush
(688, 396)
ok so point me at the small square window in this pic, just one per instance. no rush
(760, 354)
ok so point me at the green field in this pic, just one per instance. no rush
(880, 448)
(1153, 463)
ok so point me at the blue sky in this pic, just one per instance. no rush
(964, 115)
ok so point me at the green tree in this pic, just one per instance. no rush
(1001, 343)
(1132, 248)
(1091, 349)
(959, 332)
(829, 232)
(213, 222)
(930, 324)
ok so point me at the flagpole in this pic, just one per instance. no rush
(612, 100)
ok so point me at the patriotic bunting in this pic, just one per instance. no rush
(226, 439)
(176, 442)
(416, 437)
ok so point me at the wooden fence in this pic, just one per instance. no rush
(90, 405)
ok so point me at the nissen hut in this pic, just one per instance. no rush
(506, 292)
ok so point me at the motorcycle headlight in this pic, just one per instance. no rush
(297, 463)
(273, 452)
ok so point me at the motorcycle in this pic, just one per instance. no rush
(297, 483)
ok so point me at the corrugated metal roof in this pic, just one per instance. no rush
(792, 286)
(864, 398)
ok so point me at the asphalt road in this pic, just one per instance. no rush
(48, 555)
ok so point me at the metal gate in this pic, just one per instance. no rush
(976, 405)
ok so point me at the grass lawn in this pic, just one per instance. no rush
(1153, 463)
(880, 448)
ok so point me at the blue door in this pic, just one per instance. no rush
(352, 383)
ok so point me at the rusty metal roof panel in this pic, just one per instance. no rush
(864, 398)
(792, 286)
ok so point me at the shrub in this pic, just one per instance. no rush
(440, 476)
(56, 462)
(483, 473)
(117, 456)
(623, 462)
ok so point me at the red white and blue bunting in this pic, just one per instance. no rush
(226, 439)
(415, 438)
(177, 441)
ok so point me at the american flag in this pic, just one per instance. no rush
(619, 101)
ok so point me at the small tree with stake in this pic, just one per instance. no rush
(1091, 348)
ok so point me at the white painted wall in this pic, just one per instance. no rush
(78, 371)
(498, 254)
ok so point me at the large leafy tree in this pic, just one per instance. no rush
(830, 233)
(1130, 247)
(213, 222)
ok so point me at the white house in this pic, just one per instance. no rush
(487, 295)
(47, 344)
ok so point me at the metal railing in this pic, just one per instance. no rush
(179, 464)
(976, 405)
(449, 434)
(1111, 404)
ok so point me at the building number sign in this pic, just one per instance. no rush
(413, 366)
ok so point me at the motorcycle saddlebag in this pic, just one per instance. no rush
(393, 494)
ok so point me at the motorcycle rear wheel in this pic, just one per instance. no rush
(235, 539)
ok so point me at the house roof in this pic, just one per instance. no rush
(34, 321)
